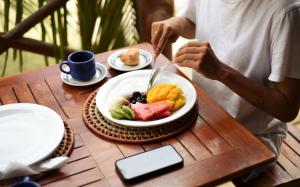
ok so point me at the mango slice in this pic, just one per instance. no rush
(167, 93)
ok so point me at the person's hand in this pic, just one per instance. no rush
(200, 57)
(163, 33)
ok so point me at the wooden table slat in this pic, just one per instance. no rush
(214, 166)
(77, 124)
(102, 183)
(66, 96)
(7, 95)
(280, 174)
(185, 154)
(290, 154)
(69, 169)
(87, 177)
(150, 146)
(294, 131)
(289, 166)
(104, 152)
(292, 143)
(79, 153)
(195, 147)
(65, 182)
(23, 93)
(213, 141)
(77, 141)
(39, 89)
(130, 149)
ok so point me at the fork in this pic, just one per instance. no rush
(154, 74)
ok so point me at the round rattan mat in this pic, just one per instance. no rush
(102, 127)
(66, 145)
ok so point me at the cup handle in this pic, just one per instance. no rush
(25, 179)
(61, 69)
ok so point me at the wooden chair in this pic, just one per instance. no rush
(286, 171)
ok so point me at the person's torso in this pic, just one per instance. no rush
(240, 32)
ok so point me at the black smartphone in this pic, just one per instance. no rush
(148, 164)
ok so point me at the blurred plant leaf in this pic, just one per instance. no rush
(103, 24)
(6, 14)
(6, 27)
(117, 27)
(53, 25)
(5, 63)
(43, 31)
(19, 14)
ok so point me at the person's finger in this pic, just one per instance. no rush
(156, 34)
(189, 64)
(191, 50)
(197, 44)
(188, 57)
(163, 40)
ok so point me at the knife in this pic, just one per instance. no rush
(154, 74)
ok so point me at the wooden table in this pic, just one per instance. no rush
(216, 149)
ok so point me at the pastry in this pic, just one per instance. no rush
(131, 57)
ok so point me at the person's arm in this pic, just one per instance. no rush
(281, 100)
(167, 31)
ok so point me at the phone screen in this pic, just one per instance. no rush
(148, 162)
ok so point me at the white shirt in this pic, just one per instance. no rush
(258, 38)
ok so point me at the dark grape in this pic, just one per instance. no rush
(137, 97)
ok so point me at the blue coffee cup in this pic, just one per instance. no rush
(26, 182)
(81, 65)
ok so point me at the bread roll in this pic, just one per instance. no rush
(131, 57)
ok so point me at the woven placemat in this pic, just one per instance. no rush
(102, 127)
(66, 145)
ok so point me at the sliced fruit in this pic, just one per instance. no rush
(167, 93)
(118, 103)
(151, 111)
(128, 110)
(116, 115)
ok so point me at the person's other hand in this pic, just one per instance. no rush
(200, 57)
(163, 33)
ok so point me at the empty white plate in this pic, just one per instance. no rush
(28, 133)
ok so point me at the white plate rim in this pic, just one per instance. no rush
(116, 55)
(99, 67)
(57, 124)
(189, 105)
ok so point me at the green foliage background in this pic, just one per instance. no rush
(96, 25)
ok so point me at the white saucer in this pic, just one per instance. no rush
(101, 73)
(115, 62)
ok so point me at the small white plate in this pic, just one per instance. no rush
(115, 62)
(28, 133)
(101, 73)
(126, 83)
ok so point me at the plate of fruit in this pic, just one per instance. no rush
(125, 100)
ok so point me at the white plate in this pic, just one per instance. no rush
(127, 83)
(101, 73)
(115, 62)
(28, 133)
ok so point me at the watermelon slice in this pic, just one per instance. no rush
(151, 111)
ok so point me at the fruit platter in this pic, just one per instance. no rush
(125, 99)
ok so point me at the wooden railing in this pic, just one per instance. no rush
(148, 11)
(14, 39)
